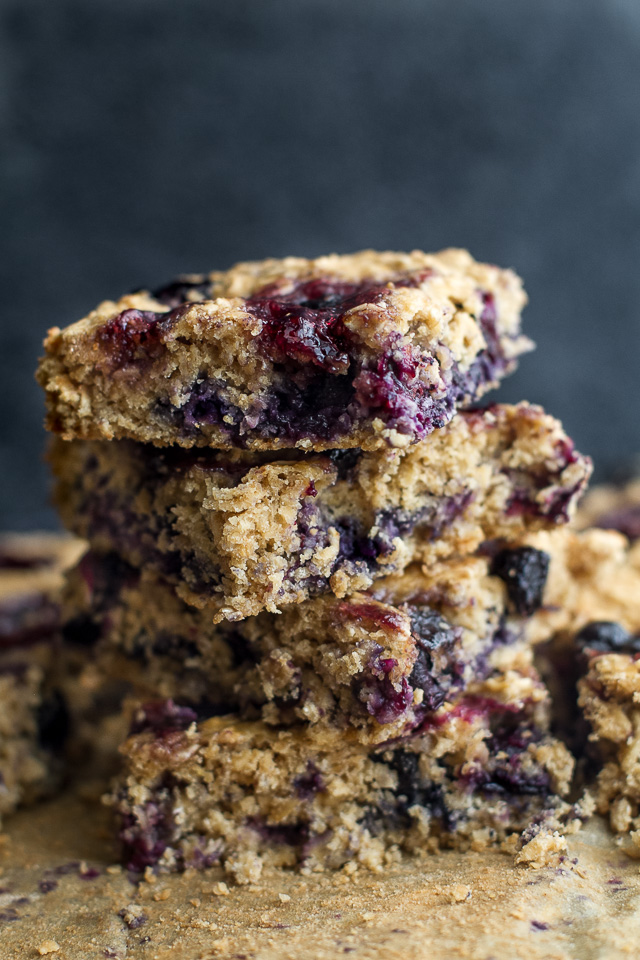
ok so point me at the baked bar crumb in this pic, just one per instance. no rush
(612, 507)
(446, 904)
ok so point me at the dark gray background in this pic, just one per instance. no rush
(141, 138)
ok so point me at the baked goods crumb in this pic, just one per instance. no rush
(49, 946)
(542, 851)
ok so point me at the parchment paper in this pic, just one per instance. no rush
(63, 893)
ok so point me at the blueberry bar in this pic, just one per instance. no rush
(365, 350)
(34, 714)
(609, 701)
(376, 665)
(593, 575)
(239, 534)
(220, 790)
(591, 613)
(613, 507)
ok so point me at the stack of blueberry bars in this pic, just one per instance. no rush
(321, 570)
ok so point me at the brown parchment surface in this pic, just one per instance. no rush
(62, 896)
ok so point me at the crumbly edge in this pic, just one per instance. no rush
(26, 769)
(43, 685)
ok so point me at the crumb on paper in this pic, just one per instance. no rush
(201, 924)
(49, 946)
(543, 850)
(460, 892)
(284, 897)
(220, 889)
(222, 945)
(133, 915)
(162, 894)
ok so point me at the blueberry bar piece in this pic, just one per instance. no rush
(365, 350)
(34, 715)
(612, 507)
(609, 701)
(593, 575)
(220, 790)
(375, 665)
(591, 614)
(240, 534)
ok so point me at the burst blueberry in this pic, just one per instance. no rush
(524, 572)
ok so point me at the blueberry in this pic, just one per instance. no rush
(434, 669)
(327, 384)
(305, 323)
(413, 790)
(383, 701)
(604, 636)
(145, 834)
(181, 291)
(81, 631)
(524, 573)
(430, 629)
(345, 461)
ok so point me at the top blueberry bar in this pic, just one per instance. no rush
(364, 350)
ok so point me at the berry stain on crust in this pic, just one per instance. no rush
(134, 335)
(162, 716)
(436, 670)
